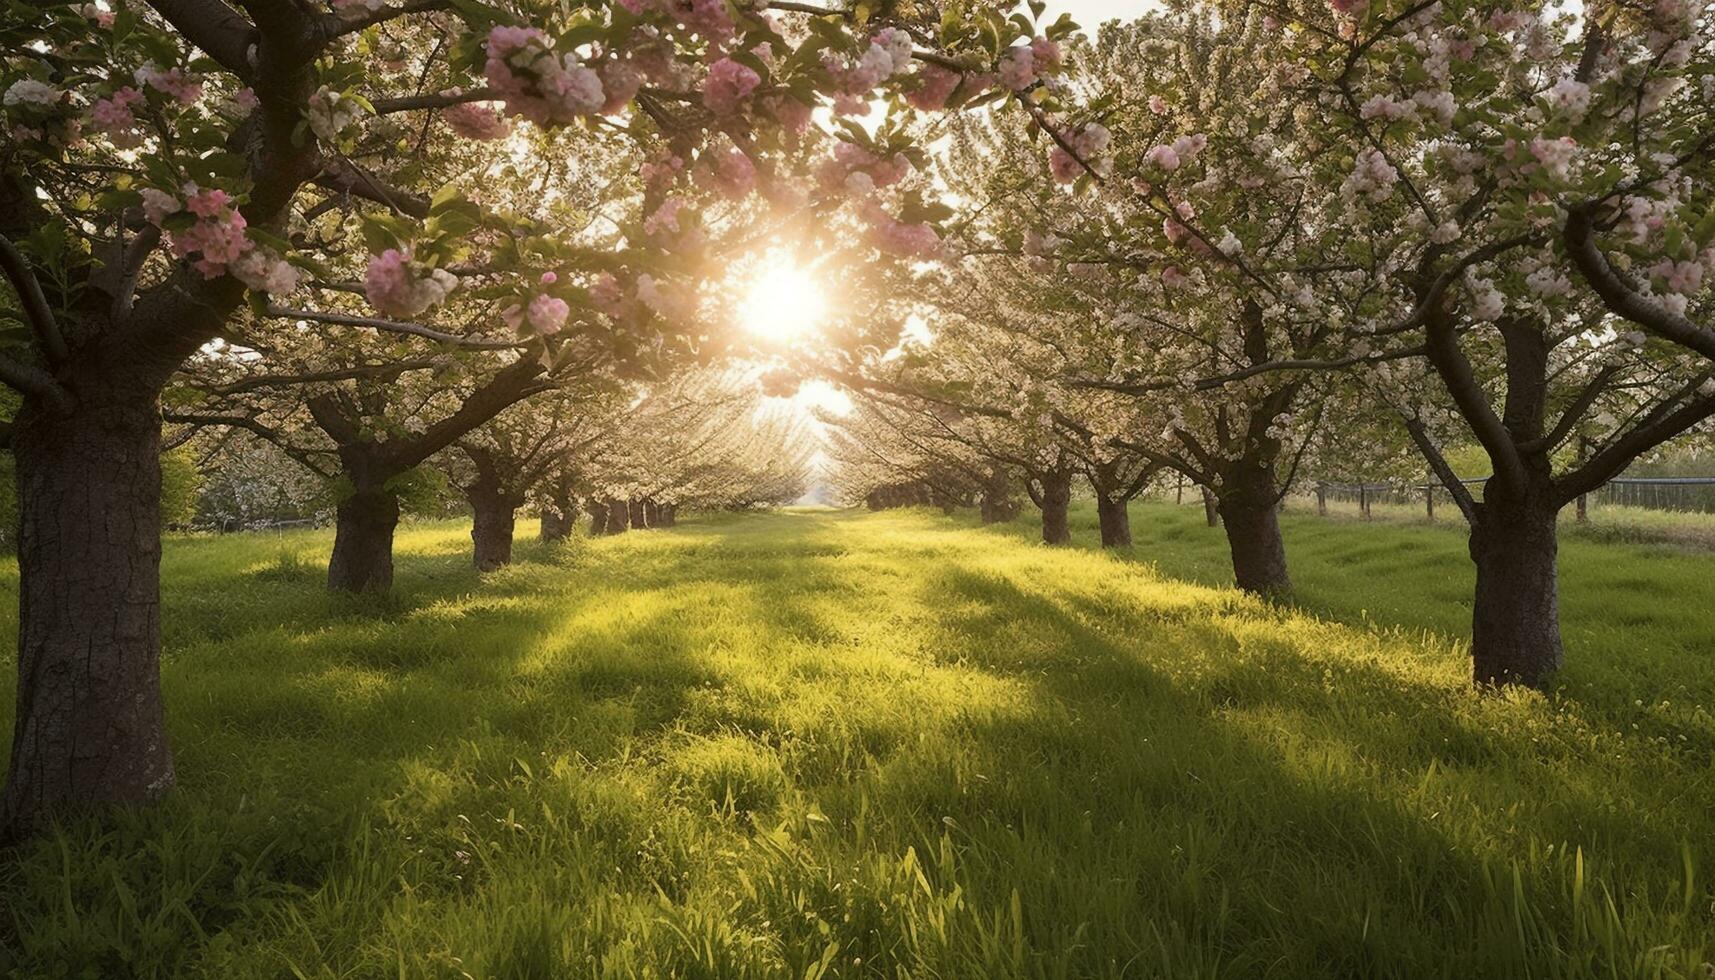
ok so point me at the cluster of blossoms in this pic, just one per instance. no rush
(334, 116)
(398, 287)
(935, 85)
(174, 82)
(534, 83)
(912, 240)
(727, 170)
(706, 17)
(1089, 144)
(664, 299)
(1168, 157)
(114, 117)
(1039, 249)
(30, 92)
(476, 121)
(1372, 178)
(1022, 65)
(888, 54)
(544, 312)
(859, 171)
(217, 240)
(102, 18)
(728, 84)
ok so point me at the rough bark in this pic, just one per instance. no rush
(363, 541)
(493, 516)
(89, 728)
(1515, 618)
(999, 504)
(1211, 513)
(1248, 505)
(1258, 552)
(1115, 520)
(618, 517)
(556, 523)
(1056, 506)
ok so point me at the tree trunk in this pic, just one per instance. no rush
(1211, 513)
(669, 514)
(998, 504)
(1515, 619)
(493, 518)
(556, 523)
(1056, 506)
(618, 517)
(651, 512)
(1115, 521)
(89, 729)
(363, 542)
(1253, 538)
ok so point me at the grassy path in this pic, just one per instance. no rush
(815, 744)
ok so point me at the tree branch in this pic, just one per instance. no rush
(221, 32)
(393, 326)
(30, 380)
(37, 313)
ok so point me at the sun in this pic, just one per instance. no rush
(784, 303)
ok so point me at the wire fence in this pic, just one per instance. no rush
(1678, 494)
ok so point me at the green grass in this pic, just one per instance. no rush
(834, 745)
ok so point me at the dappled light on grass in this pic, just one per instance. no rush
(884, 744)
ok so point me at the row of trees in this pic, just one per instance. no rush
(1293, 236)
(430, 211)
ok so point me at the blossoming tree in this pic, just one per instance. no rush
(167, 162)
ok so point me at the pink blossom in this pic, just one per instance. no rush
(1045, 55)
(396, 289)
(102, 18)
(707, 17)
(1017, 68)
(207, 204)
(935, 85)
(1064, 166)
(548, 313)
(157, 204)
(546, 90)
(607, 295)
(1158, 105)
(792, 115)
(476, 121)
(665, 218)
(905, 239)
(245, 100)
(730, 171)
(729, 82)
(114, 117)
(185, 87)
(1555, 155)
(1162, 157)
(620, 80)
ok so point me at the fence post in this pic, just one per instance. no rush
(1321, 499)
(1429, 502)
(1179, 492)
(1364, 500)
(1583, 454)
